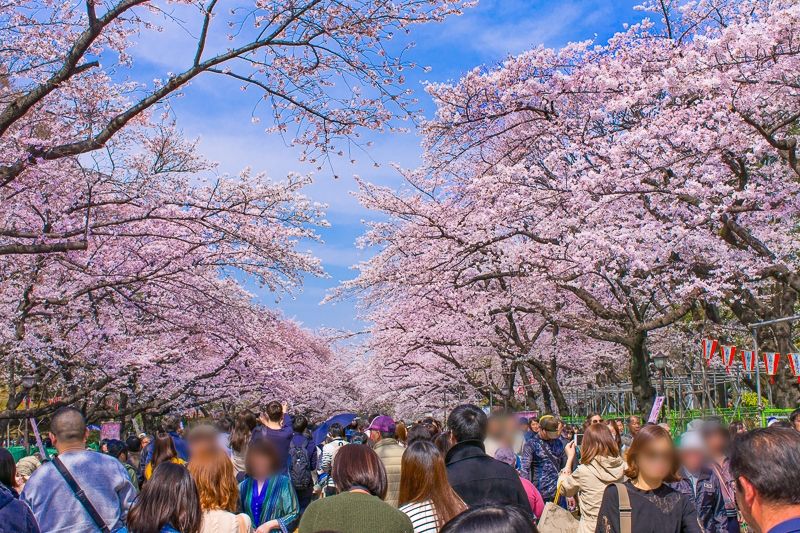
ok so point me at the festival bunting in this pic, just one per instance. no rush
(749, 360)
(771, 363)
(709, 349)
(728, 353)
(794, 364)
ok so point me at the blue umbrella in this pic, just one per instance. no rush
(322, 431)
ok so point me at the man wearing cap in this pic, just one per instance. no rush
(699, 484)
(544, 456)
(381, 433)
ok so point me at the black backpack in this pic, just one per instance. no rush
(300, 468)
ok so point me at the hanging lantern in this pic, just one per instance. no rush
(709, 349)
(771, 360)
(728, 354)
(794, 364)
(749, 360)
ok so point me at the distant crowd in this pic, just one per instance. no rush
(499, 473)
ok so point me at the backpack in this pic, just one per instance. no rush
(300, 468)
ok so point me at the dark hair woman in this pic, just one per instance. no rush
(168, 503)
(490, 519)
(163, 452)
(443, 442)
(612, 425)
(600, 465)
(655, 506)
(265, 495)
(243, 427)
(360, 478)
(425, 495)
(15, 515)
(8, 473)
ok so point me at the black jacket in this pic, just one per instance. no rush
(483, 480)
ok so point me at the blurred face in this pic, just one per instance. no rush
(692, 460)
(596, 419)
(261, 467)
(797, 423)
(145, 442)
(655, 460)
(635, 425)
(620, 426)
(716, 443)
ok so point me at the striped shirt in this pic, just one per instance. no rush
(422, 516)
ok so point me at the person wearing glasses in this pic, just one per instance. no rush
(655, 506)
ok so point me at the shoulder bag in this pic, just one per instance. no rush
(80, 495)
(624, 508)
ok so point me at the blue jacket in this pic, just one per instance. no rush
(542, 460)
(181, 446)
(15, 515)
(707, 498)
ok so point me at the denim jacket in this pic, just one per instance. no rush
(707, 498)
(542, 460)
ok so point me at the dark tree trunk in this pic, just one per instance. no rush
(643, 389)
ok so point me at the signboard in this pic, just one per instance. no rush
(110, 430)
(527, 414)
(657, 404)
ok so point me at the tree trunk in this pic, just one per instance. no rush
(643, 389)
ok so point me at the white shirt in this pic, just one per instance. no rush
(422, 516)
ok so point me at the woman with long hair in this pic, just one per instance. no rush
(600, 465)
(8, 473)
(246, 421)
(360, 479)
(491, 519)
(168, 503)
(655, 506)
(265, 495)
(163, 452)
(213, 473)
(612, 425)
(425, 495)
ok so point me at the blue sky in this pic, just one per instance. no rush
(218, 113)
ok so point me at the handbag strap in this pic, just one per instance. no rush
(624, 508)
(80, 495)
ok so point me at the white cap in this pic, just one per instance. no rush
(692, 440)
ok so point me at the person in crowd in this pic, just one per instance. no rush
(794, 419)
(276, 425)
(533, 424)
(224, 428)
(477, 478)
(381, 433)
(620, 426)
(567, 433)
(8, 473)
(168, 503)
(401, 433)
(303, 461)
(26, 467)
(614, 428)
(600, 465)
(593, 418)
(266, 495)
(243, 427)
(516, 435)
(102, 479)
(494, 434)
(444, 442)
(736, 427)
(634, 425)
(212, 471)
(425, 494)
(203, 437)
(358, 507)
(171, 426)
(655, 506)
(507, 456)
(717, 443)
(420, 431)
(163, 452)
(118, 449)
(360, 438)
(134, 446)
(335, 440)
(15, 516)
(543, 457)
(489, 519)
(699, 484)
(764, 463)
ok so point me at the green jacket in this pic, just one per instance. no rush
(354, 512)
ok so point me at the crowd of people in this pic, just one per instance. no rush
(268, 472)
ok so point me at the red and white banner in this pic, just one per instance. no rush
(709, 349)
(771, 360)
(749, 360)
(794, 364)
(728, 354)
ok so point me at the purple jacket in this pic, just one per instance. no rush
(707, 498)
(14, 514)
(279, 437)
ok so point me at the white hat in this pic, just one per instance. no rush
(692, 440)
